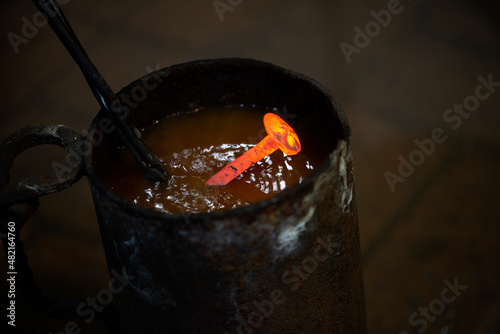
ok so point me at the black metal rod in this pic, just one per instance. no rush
(147, 161)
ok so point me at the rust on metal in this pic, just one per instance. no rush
(286, 264)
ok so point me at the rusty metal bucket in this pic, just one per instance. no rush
(290, 263)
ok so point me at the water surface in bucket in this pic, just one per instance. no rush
(193, 146)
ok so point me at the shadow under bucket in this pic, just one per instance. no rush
(287, 264)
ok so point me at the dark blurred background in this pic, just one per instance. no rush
(441, 223)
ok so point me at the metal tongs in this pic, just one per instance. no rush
(147, 161)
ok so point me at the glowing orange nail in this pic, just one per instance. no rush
(279, 136)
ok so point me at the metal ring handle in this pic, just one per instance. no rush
(47, 183)
(19, 200)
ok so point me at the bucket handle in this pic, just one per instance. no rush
(19, 200)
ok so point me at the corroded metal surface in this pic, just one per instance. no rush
(33, 187)
(286, 264)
